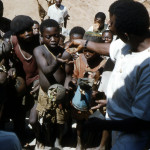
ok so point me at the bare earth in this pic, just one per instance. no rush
(81, 12)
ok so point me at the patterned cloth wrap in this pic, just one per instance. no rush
(48, 104)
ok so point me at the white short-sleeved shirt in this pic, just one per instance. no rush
(128, 91)
(57, 14)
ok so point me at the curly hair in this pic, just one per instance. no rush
(20, 23)
(48, 23)
(132, 18)
(77, 30)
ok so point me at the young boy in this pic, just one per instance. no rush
(36, 27)
(51, 71)
(75, 33)
(86, 67)
(107, 36)
(99, 23)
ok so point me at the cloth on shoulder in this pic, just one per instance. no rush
(9, 141)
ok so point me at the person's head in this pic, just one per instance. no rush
(76, 33)
(35, 27)
(100, 19)
(50, 33)
(58, 2)
(111, 23)
(94, 37)
(107, 36)
(1, 9)
(129, 23)
(21, 26)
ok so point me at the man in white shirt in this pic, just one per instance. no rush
(59, 13)
(129, 85)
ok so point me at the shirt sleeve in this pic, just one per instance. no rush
(90, 29)
(65, 12)
(115, 49)
(141, 103)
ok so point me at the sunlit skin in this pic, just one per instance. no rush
(107, 37)
(35, 28)
(111, 24)
(100, 22)
(73, 37)
(46, 59)
(51, 37)
(58, 3)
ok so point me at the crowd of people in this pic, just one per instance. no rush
(98, 80)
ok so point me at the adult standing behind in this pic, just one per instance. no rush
(59, 13)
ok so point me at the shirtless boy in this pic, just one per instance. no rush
(51, 71)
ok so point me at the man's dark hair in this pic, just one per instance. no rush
(132, 18)
(20, 23)
(115, 4)
(35, 22)
(77, 30)
(100, 15)
(93, 36)
(48, 23)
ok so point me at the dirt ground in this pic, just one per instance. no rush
(81, 12)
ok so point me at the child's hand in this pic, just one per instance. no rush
(78, 43)
(35, 87)
(96, 27)
(12, 73)
(60, 60)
